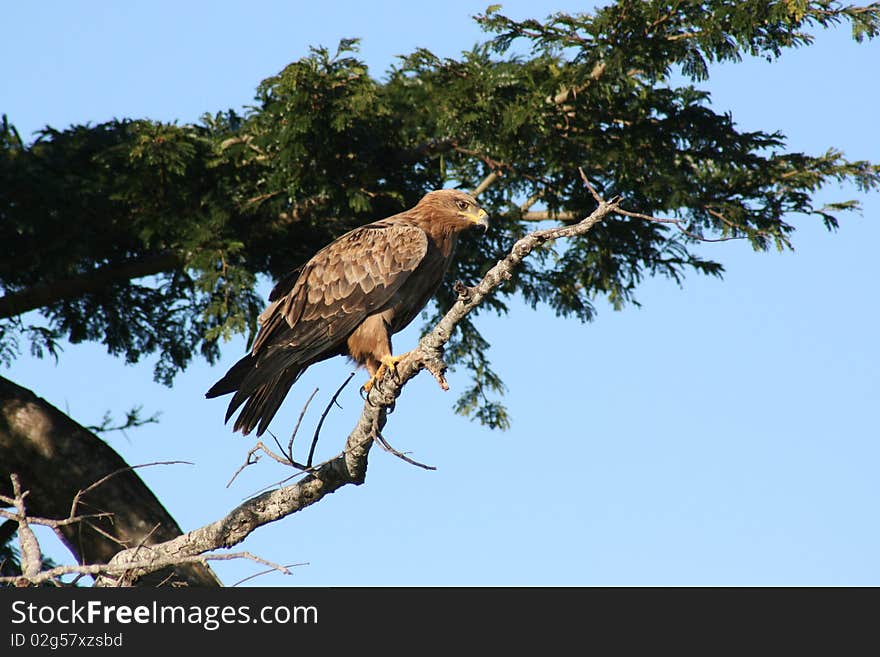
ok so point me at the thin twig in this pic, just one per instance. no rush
(593, 191)
(298, 422)
(287, 459)
(108, 536)
(49, 522)
(168, 579)
(143, 541)
(283, 460)
(678, 224)
(275, 438)
(720, 217)
(384, 444)
(350, 466)
(154, 564)
(269, 570)
(321, 421)
(80, 493)
(76, 579)
(250, 459)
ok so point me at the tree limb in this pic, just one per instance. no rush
(31, 557)
(544, 215)
(67, 468)
(44, 294)
(485, 183)
(123, 575)
(350, 466)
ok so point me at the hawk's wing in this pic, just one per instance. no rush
(339, 287)
(310, 316)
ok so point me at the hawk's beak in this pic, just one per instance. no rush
(480, 217)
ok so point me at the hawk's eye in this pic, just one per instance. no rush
(462, 205)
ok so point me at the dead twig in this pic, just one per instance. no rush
(287, 458)
(323, 417)
(269, 570)
(253, 458)
(350, 466)
(384, 444)
(49, 522)
(123, 573)
(299, 422)
(679, 224)
(80, 493)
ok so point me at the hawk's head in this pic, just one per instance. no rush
(454, 207)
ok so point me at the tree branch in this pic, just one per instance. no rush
(678, 223)
(543, 215)
(485, 184)
(350, 466)
(44, 294)
(31, 557)
(67, 469)
(122, 576)
(572, 92)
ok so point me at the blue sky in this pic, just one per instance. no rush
(725, 433)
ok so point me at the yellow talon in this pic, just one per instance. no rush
(387, 363)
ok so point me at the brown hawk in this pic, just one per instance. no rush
(348, 299)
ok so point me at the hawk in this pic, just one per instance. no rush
(348, 299)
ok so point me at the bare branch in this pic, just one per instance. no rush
(323, 417)
(122, 575)
(113, 514)
(287, 458)
(110, 537)
(678, 223)
(485, 184)
(49, 522)
(384, 444)
(350, 466)
(251, 459)
(544, 215)
(592, 189)
(80, 493)
(299, 422)
(44, 294)
(567, 217)
(269, 570)
(31, 558)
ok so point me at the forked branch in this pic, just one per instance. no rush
(350, 466)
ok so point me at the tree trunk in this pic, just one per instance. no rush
(56, 458)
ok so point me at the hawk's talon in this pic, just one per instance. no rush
(386, 364)
(389, 363)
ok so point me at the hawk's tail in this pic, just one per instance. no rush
(258, 391)
(232, 380)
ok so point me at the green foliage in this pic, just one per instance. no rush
(133, 419)
(327, 147)
(118, 195)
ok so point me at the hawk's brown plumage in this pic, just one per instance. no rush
(348, 300)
